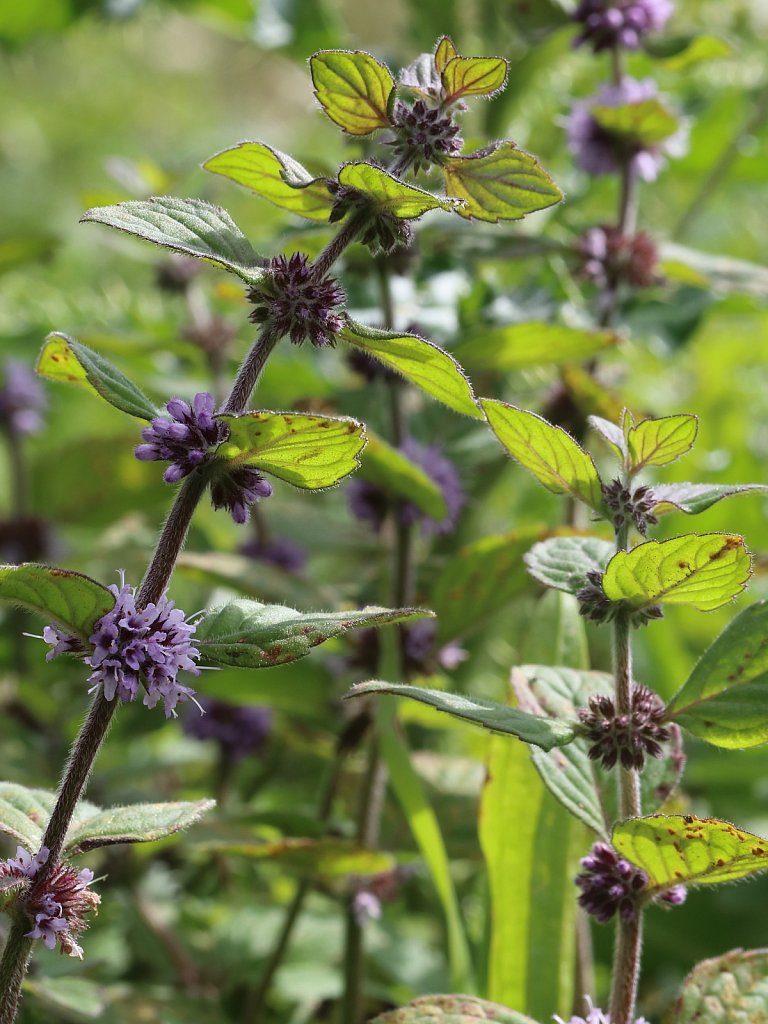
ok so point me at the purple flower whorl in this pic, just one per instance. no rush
(606, 24)
(184, 439)
(292, 302)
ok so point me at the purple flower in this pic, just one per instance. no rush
(606, 24)
(292, 302)
(599, 151)
(370, 504)
(237, 489)
(594, 1016)
(61, 643)
(58, 905)
(423, 656)
(611, 258)
(22, 399)
(184, 439)
(139, 645)
(279, 551)
(609, 885)
(239, 731)
(675, 896)
(25, 865)
(366, 907)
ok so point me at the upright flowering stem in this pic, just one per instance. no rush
(250, 371)
(626, 964)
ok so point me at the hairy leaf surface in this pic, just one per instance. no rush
(501, 182)
(353, 89)
(72, 600)
(563, 562)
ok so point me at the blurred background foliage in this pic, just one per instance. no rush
(120, 99)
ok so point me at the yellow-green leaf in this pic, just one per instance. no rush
(647, 122)
(422, 363)
(500, 182)
(551, 454)
(390, 194)
(444, 52)
(353, 88)
(656, 442)
(274, 176)
(515, 346)
(704, 571)
(69, 598)
(307, 451)
(679, 849)
(66, 360)
(473, 76)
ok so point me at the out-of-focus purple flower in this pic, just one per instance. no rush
(237, 489)
(278, 551)
(185, 438)
(58, 905)
(240, 731)
(599, 151)
(293, 303)
(422, 654)
(611, 258)
(594, 1016)
(609, 884)
(675, 896)
(366, 907)
(131, 645)
(606, 24)
(370, 504)
(375, 890)
(22, 399)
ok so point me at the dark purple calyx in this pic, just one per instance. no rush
(625, 738)
(292, 301)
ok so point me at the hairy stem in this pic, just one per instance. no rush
(626, 970)
(250, 370)
(347, 234)
(13, 967)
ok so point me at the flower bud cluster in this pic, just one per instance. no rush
(293, 302)
(626, 504)
(594, 605)
(422, 135)
(629, 737)
(610, 885)
(379, 229)
(185, 439)
(610, 257)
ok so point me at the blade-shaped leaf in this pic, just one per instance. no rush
(704, 571)
(390, 194)
(67, 999)
(695, 498)
(551, 454)
(64, 359)
(422, 363)
(394, 473)
(681, 849)
(725, 698)
(647, 122)
(487, 713)
(137, 823)
(24, 813)
(501, 182)
(479, 581)
(353, 88)
(445, 51)
(326, 859)
(69, 598)
(729, 989)
(657, 442)
(191, 226)
(246, 634)
(516, 346)
(563, 562)
(276, 177)
(451, 1009)
(307, 451)
(473, 76)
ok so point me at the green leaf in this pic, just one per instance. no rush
(517, 346)
(528, 843)
(189, 226)
(479, 581)
(445, 51)
(321, 859)
(563, 562)
(488, 713)
(611, 433)
(425, 829)
(500, 182)
(353, 88)
(695, 498)
(551, 454)
(136, 823)
(24, 813)
(704, 571)
(64, 359)
(729, 989)
(725, 699)
(390, 194)
(451, 1009)
(645, 123)
(70, 999)
(678, 53)
(682, 849)
(473, 76)
(422, 363)
(276, 177)
(247, 634)
(394, 473)
(69, 598)
(657, 442)
(307, 451)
